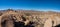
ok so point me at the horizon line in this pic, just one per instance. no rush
(34, 9)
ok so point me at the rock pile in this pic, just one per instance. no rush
(13, 18)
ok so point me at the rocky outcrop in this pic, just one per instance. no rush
(14, 18)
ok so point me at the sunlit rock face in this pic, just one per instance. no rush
(24, 18)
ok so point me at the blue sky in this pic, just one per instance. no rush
(30, 4)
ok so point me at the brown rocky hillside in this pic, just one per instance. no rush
(29, 18)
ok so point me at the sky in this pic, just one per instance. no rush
(41, 5)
